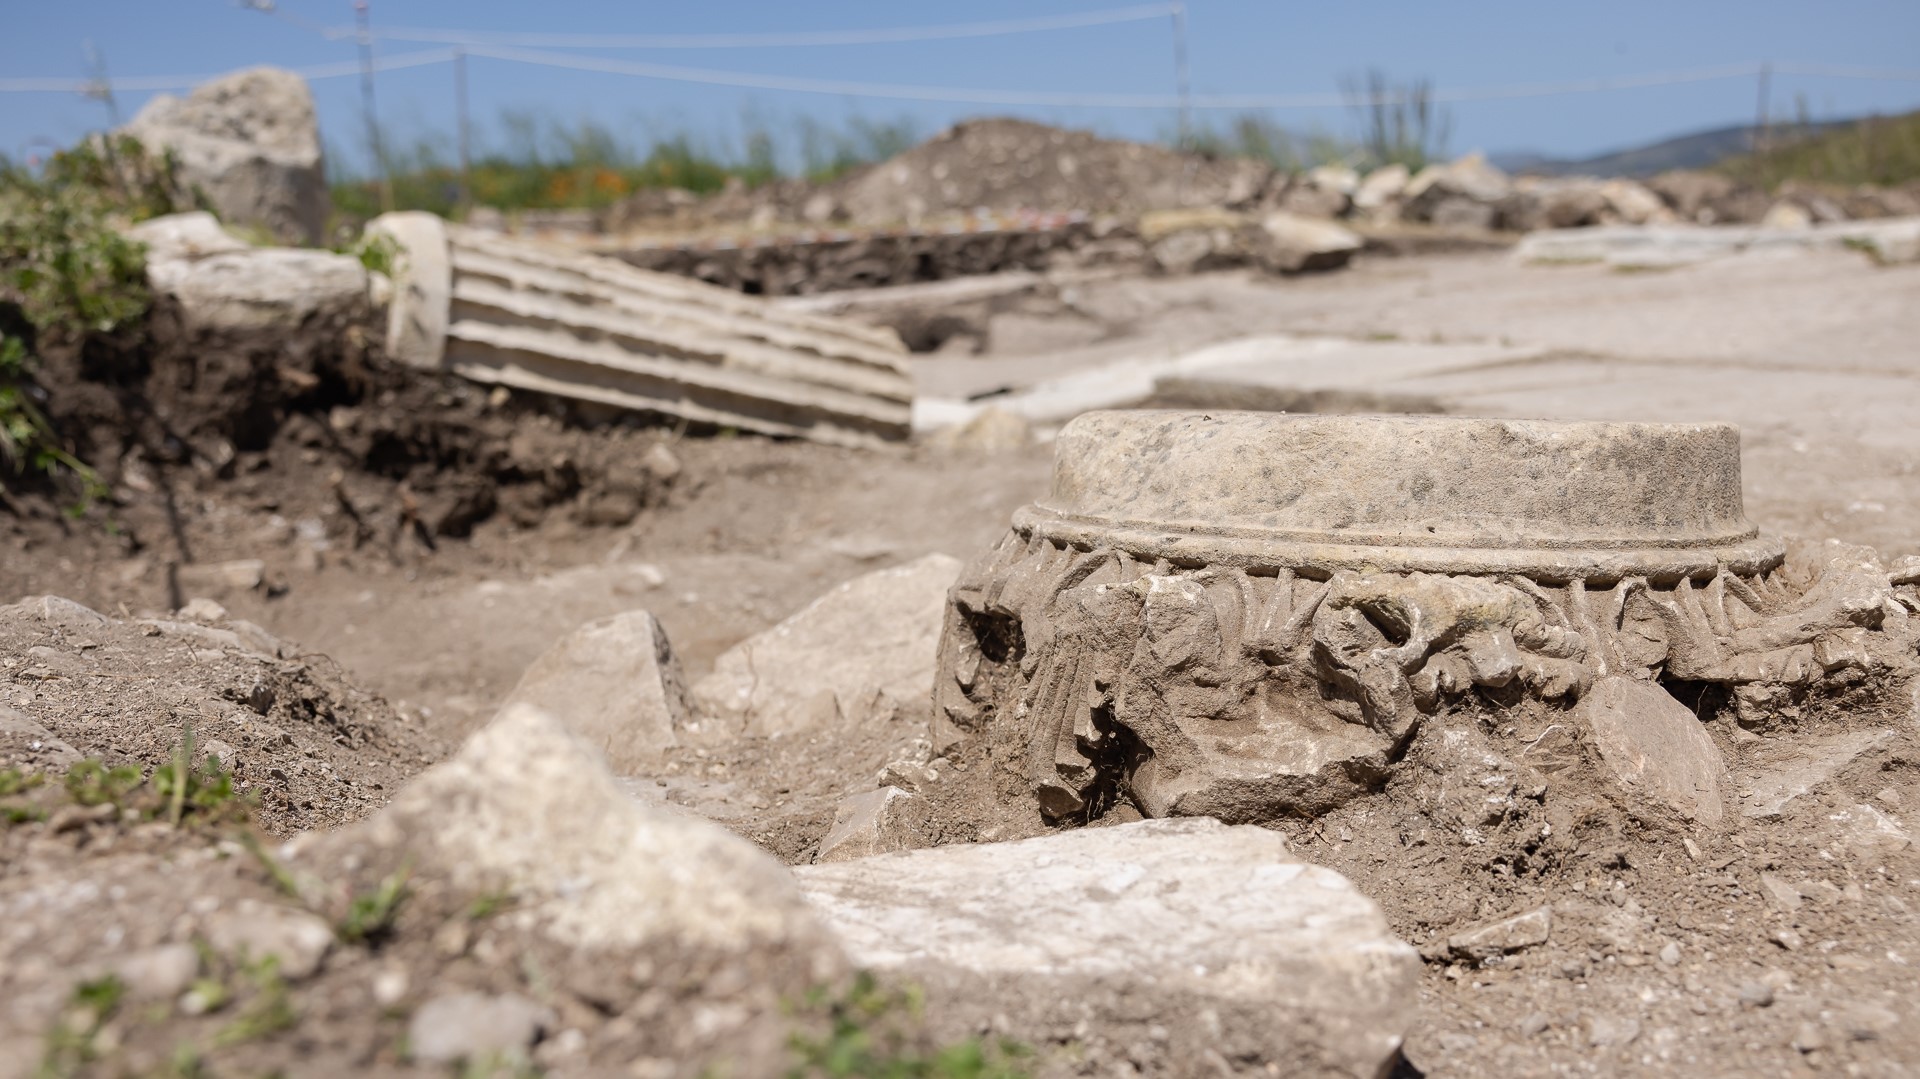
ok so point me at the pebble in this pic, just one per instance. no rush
(1809, 1038)
(298, 940)
(1604, 1032)
(1455, 1042)
(390, 986)
(1788, 939)
(1670, 953)
(453, 1027)
(1756, 995)
(160, 973)
(1533, 1024)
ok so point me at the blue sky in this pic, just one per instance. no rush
(1236, 46)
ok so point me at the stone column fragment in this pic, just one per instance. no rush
(510, 312)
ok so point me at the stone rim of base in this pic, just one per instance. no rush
(1257, 552)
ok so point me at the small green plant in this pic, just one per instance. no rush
(268, 1010)
(92, 783)
(370, 915)
(276, 872)
(72, 1043)
(14, 781)
(488, 904)
(873, 1034)
(184, 784)
(378, 253)
(63, 258)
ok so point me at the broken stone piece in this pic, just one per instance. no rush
(1299, 244)
(1511, 934)
(455, 1026)
(25, 741)
(1242, 950)
(240, 575)
(1777, 775)
(872, 822)
(1655, 745)
(250, 143)
(1780, 894)
(877, 633)
(63, 613)
(616, 683)
(295, 939)
(528, 808)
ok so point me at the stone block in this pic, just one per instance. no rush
(616, 683)
(1217, 936)
(874, 635)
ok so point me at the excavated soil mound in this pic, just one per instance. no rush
(203, 439)
(304, 745)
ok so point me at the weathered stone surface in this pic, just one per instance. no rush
(188, 236)
(1310, 197)
(1441, 494)
(518, 314)
(24, 742)
(1655, 745)
(260, 290)
(1465, 192)
(872, 822)
(991, 430)
(295, 939)
(158, 973)
(1215, 934)
(244, 574)
(250, 142)
(1297, 244)
(1381, 187)
(616, 683)
(1510, 934)
(1786, 215)
(1871, 833)
(870, 643)
(455, 1026)
(1892, 240)
(1781, 775)
(528, 808)
(1248, 616)
(1188, 241)
(63, 613)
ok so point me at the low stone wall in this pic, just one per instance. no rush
(803, 263)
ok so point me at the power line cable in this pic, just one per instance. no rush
(140, 83)
(791, 39)
(968, 95)
(979, 96)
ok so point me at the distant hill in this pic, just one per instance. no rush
(1700, 150)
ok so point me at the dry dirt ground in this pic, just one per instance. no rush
(1671, 953)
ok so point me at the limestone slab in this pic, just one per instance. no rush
(1218, 935)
